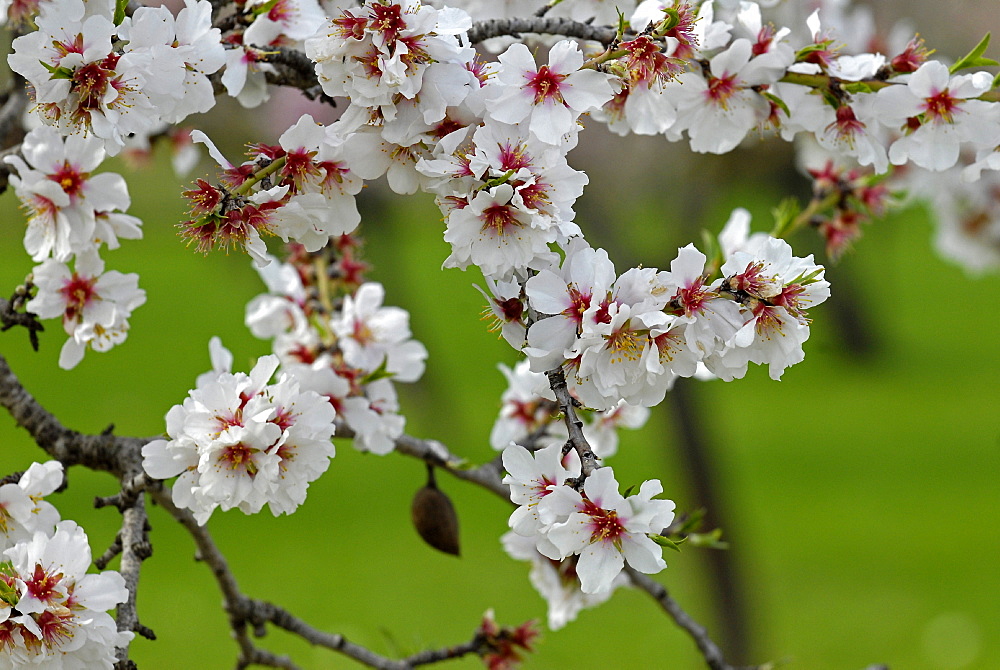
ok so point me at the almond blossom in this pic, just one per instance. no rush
(53, 613)
(549, 98)
(604, 528)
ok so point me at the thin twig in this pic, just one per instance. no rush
(574, 425)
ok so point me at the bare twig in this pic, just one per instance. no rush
(709, 650)
(567, 404)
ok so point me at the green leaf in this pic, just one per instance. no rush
(120, 6)
(379, 373)
(975, 57)
(670, 21)
(628, 491)
(784, 215)
(263, 8)
(57, 72)
(778, 101)
(857, 87)
(666, 542)
(805, 51)
(8, 594)
(711, 540)
(692, 521)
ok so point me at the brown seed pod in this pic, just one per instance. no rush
(434, 516)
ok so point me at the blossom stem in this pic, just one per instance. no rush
(260, 175)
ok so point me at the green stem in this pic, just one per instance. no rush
(260, 175)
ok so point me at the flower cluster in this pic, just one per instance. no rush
(301, 190)
(596, 523)
(52, 613)
(530, 415)
(334, 335)
(72, 213)
(90, 75)
(240, 441)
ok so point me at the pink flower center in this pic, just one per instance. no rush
(605, 526)
(720, 89)
(240, 457)
(941, 107)
(846, 126)
(78, 292)
(545, 83)
(42, 585)
(69, 179)
(500, 219)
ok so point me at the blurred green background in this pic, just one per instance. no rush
(859, 493)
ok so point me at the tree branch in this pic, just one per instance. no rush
(567, 404)
(484, 30)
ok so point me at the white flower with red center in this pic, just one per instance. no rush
(240, 441)
(374, 337)
(23, 512)
(531, 477)
(495, 234)
(548, 98)
(775, 290)
(719, 111)
(245, 75)
(505, 303)
(526, 406)
(384, 52)
(938, 115)
(54, 181)
(565, 296)
(557, 581)
(605, 529)
(711, 319)
(53, 614)
(94, 305)
(542, 179)
(321, 187)
(81, 84)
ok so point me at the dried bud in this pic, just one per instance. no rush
(434, 517)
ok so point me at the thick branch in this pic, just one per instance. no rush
(105, 452)
(135, 548)
(484, 30)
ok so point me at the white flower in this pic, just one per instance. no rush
(605, 529)
(531, 477)
(372, 336)
(94, 305)
(240, 441)
(22, 510)
(55, 614)
(551, 97)
(557, 581)
(939, 113)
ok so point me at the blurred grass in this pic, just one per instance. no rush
(861, 488)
